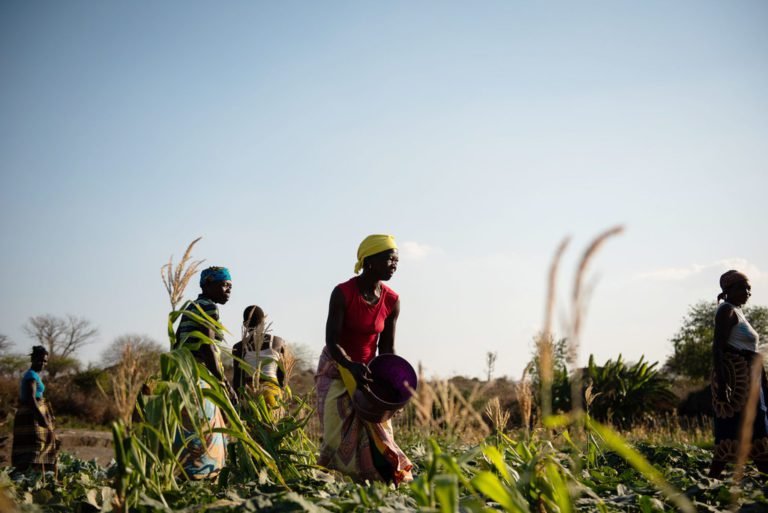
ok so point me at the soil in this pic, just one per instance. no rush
(82, 443)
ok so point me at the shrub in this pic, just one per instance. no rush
(625, 394)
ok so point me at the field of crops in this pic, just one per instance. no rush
(502, 473)
(466, 458)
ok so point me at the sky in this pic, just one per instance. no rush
(480, 134)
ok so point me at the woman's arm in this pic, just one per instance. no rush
(278, 344)
(210, 359)
(725, 319)
(387, 337)
(30, 389)
(333, 326)
(237, 378)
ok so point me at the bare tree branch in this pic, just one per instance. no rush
(62, 337)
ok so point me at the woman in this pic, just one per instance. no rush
(204, 458)
(736, 365)
(361, 319)
(35, 444)
(263, 353)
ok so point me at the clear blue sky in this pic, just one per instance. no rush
(478, 133)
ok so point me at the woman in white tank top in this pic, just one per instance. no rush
(735, 351)
(263, 357)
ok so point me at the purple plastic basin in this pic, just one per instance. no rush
(393, 381)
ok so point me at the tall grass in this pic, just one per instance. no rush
(578, 419)
(492, 469)
(148, 454)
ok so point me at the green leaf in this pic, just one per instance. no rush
(489, 485)
(447, 492)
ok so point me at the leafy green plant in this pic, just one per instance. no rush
(625, 394)
(148, 454)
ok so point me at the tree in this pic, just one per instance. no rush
(692, 344)
(490, 364)
(305, 356)
(133, 360)
(13, 364)
(5, 343)
(60, 336)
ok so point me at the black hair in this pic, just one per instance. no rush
(253, 316)
(38, 352)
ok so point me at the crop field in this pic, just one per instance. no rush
(504, 472)
(549, 450)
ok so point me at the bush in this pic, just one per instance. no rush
(9, 396)
(78, 396)
(626, 394)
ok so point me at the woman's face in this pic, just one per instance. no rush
(739, 293)
(218, 291)
(384, 264)
(40, 362)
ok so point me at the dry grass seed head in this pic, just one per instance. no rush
(578, 309)
(498, 416)
(525, 397)
(545, 355)
(177, 278)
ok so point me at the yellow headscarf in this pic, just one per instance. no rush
(372, 245)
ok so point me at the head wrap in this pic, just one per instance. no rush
(38, 352)
(729, 279)
(373, 245)
(214, 274)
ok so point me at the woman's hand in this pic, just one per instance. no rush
(231, 392)
(724, 393)
(723, 390)
(360, 372)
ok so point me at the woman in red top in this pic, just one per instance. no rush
(361, 320)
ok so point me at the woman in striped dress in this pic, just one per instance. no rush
(35, 445)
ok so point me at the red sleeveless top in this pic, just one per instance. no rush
(364, 322)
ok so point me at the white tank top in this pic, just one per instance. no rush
(743, 335)
(264, 361)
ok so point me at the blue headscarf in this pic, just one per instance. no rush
(214, 274)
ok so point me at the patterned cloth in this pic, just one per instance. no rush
(347, 439)
(204, 458)
(214, 274)
(729, 412)
(270, 390)
(33, 444)
(188, 325)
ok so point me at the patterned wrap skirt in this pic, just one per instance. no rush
(269, 389)
(730, 411)
(33, 443)
(204, 458)
(357, 448)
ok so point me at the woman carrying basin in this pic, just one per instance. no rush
(361, 321)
